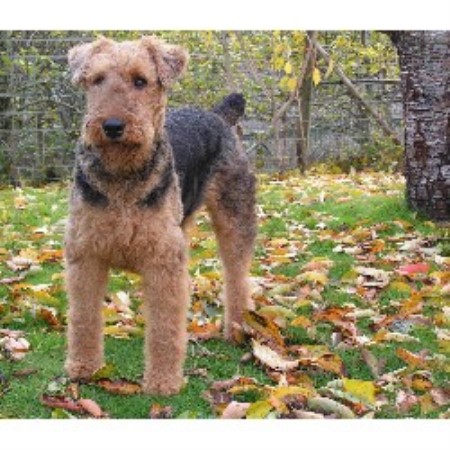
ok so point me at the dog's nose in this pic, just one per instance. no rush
(113, 128)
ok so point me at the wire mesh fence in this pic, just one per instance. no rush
(40, 111)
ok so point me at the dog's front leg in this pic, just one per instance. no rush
(86, 285)
(166, 298)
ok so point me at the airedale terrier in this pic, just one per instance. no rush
(138, 180)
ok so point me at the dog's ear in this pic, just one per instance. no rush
(79, 56)
(171, 60)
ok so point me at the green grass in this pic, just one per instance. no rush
(47, 357)
(295, 209)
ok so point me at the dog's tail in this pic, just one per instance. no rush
(231, 108)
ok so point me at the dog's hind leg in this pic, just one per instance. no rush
(230, 201)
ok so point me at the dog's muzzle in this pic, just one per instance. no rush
(113, 128)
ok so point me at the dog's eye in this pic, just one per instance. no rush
(140, 82)
(99, 79)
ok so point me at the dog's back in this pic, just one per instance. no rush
(200, 141)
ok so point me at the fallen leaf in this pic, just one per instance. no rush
(411, 358)
(104, 372)
(372, 362)
(15, 348)
(205, 331)
(426, 403)
(413, 269)
(91, 407)
(371, 277)
(313, 276)
(283, 391)
(440, 396)
(12, 280)
(59, 413)
(302, 322)
(330, 406)
(120, 386)
(307, 415)
(404, 401)
(56, 401)
(259, 409)
(263, 326)
(158, 411)
(18, 263)
(277, 314)
(26, 372)
(421, 382)
(365, 390)
(235, 410)
(271, 358)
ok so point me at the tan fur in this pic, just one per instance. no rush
(148, 241)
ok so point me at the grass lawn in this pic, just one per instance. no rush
(352, 311)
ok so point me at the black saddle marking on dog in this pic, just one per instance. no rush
(159, 191)
(90, 195)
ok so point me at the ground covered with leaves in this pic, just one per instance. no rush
(351, 316)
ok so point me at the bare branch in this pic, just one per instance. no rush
(353, 91)
(293, 95)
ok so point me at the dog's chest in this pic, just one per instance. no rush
(120, 236)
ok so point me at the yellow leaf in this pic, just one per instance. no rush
(329, 68)
(20, 202)
(277, 242)
(292, 84)
(365, 390)
(313, 276)
(275, 311)
(400, 286)
(259, 410)
(316, 77)
(239, 389)
(284, 82)
(349, 277)
(278, 63)
(301, 321)
(282, 391)
(421, 382)
(288, 68)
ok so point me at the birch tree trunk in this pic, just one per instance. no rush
(425, 69)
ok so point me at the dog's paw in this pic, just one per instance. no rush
(235, 333)
(82, 370)
(156, 386)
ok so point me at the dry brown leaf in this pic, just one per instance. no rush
(404, 401)
(55, 401)
(235, 410)
(120, 386)
(271, 358)
(158, 411)
(91, 407)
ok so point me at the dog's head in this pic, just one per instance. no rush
(126, 86)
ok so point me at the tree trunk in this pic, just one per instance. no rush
(5, 100)
(425, 67)
(228, 69)
(305, 96)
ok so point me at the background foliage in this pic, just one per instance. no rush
(40, 111)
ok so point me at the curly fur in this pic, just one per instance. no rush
(133, 195)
